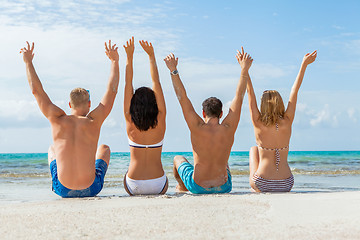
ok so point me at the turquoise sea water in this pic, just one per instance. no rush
(26, 177)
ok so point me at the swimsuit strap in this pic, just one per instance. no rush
(137, 145)
(277, 154)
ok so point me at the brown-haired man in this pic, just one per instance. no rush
(211, 141)
(77, 165)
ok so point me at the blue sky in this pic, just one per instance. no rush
(69, 38)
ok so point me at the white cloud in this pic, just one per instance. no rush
(352, 114)
(321, 117)
(110, 122)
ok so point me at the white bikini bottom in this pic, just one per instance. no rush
(146, 187)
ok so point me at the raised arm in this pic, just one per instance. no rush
(308, 59)
(254, 110)
(233, 117)
(103, 110)
(148, 48)
(128, 90)
(191, 117)
(49, 109)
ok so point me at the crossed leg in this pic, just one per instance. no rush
(253, 166)
(103, 153)
(177, 161)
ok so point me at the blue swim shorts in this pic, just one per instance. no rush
(186, 171)
(95, 188)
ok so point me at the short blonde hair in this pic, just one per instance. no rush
(272, 107)
(79, 97)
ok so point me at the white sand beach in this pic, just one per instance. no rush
(314, 215)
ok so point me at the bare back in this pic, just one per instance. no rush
(211, 148)
(75, 143)
(145, 163)
(269, 138)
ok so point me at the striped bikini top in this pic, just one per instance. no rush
(277, 150)
(136, 145)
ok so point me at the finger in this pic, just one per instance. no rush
(150, 44)
(116, 49)
(313, 52)
(242, 50)
(28, 45)
(110, 44)
(32, 46)
(106, 47)
(132, 40)
(113, 47)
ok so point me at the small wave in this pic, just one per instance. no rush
(326, 172)
(24, 175)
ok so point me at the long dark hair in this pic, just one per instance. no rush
(144, 109)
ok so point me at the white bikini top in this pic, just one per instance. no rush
(136, 145)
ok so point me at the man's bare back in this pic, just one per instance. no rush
(76, 163)
(211, 144)
(211, 141)
(75, 143)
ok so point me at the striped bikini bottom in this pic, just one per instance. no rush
(267, 185)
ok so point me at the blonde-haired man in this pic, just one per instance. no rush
(77, 165)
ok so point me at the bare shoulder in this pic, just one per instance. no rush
(58, 120)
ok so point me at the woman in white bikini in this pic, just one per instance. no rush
(145, 113)
(269, 169)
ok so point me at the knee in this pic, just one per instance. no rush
(253, 149)
(178, 159)
(104, 148)
(103, 152)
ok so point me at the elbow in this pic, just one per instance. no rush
(34, 91)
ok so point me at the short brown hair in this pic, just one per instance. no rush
(212, 107)
(272, 107)
(79, 96)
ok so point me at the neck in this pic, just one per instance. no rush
(79, 112)
(211, 120)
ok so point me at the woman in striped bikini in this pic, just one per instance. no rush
(269, 169)
(145, 113)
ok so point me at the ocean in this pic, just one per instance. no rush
(25, 176)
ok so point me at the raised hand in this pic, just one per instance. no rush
(244, 59)
(148, 48)
(309, 58)
(111, 52)
(28, 54)
(171, 62)
(129, 47)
